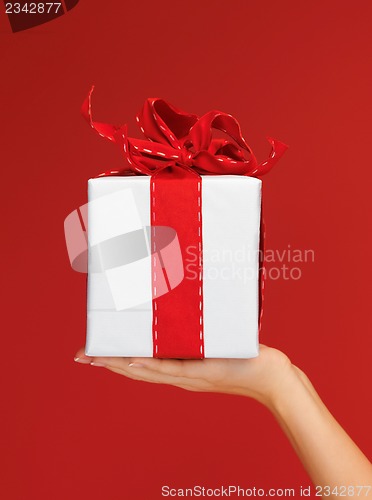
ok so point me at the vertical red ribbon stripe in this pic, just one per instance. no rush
(176, 201)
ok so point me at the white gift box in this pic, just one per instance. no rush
(119, 305)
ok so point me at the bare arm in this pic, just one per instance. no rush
(328, 454)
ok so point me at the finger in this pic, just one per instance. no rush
(151, 370)
(80, 357)
(190, 369)
(173, 367)
(121, 366)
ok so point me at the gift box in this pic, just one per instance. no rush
(221, 319)
(174, 239)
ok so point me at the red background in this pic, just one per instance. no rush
(299, 71)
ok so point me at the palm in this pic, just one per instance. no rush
(256, 377)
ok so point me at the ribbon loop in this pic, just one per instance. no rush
(176, 137)
(164, 123)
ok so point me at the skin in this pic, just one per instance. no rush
(327, 453)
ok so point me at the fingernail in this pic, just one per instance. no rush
(93, 363)
(83, 361)
(136, 365)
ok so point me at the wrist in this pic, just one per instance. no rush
(288, 391)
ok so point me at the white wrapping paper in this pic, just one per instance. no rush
(119, 316)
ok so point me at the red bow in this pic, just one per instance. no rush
(178, 138)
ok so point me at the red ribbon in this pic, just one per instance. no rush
(179, 147)
(174, 137)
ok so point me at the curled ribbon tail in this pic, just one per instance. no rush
(103, 129)
(278, 148)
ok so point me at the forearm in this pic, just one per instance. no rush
(328, 454)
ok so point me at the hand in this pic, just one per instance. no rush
(260, 378)
(326, 451)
